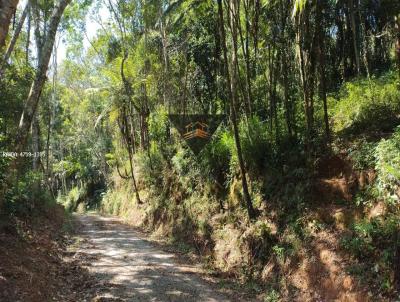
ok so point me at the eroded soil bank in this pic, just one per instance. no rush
(32, 260)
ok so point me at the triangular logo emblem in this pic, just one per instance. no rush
(196, 129)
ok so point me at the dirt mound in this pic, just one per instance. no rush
(31, 260)
(334, 166)
(336, 179)
(321, 274)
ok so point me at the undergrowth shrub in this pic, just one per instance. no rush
(27, 195)
(72, 199)
(221, 153)
(216, 156)
(188, 175)
(256, 145)
(363, 155)
(112, 201)
(366, 105)
(388, 167)
(374, 240)
(151, 165)
(259, 241)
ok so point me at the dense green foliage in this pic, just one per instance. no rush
(367, 105)
(388, 167)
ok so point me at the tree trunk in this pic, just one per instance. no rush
(7, 9)
(35, 142)
(14, 39)
(233, 99)
(129, 145)
(354, 32)
(321, 59)
(396, 263)
(249, 72)
(257, 9)
(287, 101)
(51, 115)
(40, 77)
(28, 36)
(285, 67)
(306, 56)
(398, 42)
(48, 146)
(127, 135)
(37, 32)
(164, 40)
(133, 175)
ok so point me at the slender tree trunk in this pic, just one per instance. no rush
(37, 32)
(321, 59)
(132, 128)
(276, 100)
(185, 88)
(51, 113)
(129, 145)
(14, 39)
(304, 83)
(133, 176)
(48, 146)
(39, 40)
(340, 21)
(40, 77)
(354, 32)
(232, 96)
(306, 56)
(288, 111)
(398, 42)
(247, 57)
(255, 34)
(7, 9)
(270, 96)
(28, 36)
(127, 135)
(397, 260)
(145, 113)
(285, 46)
(243, 84)
(35, 141)
(164, 40)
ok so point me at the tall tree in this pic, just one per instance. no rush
(305, 39)
(232, 92)
(397, 50)
(321, 7)
(354, 29)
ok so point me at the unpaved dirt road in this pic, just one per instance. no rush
(134, 269)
